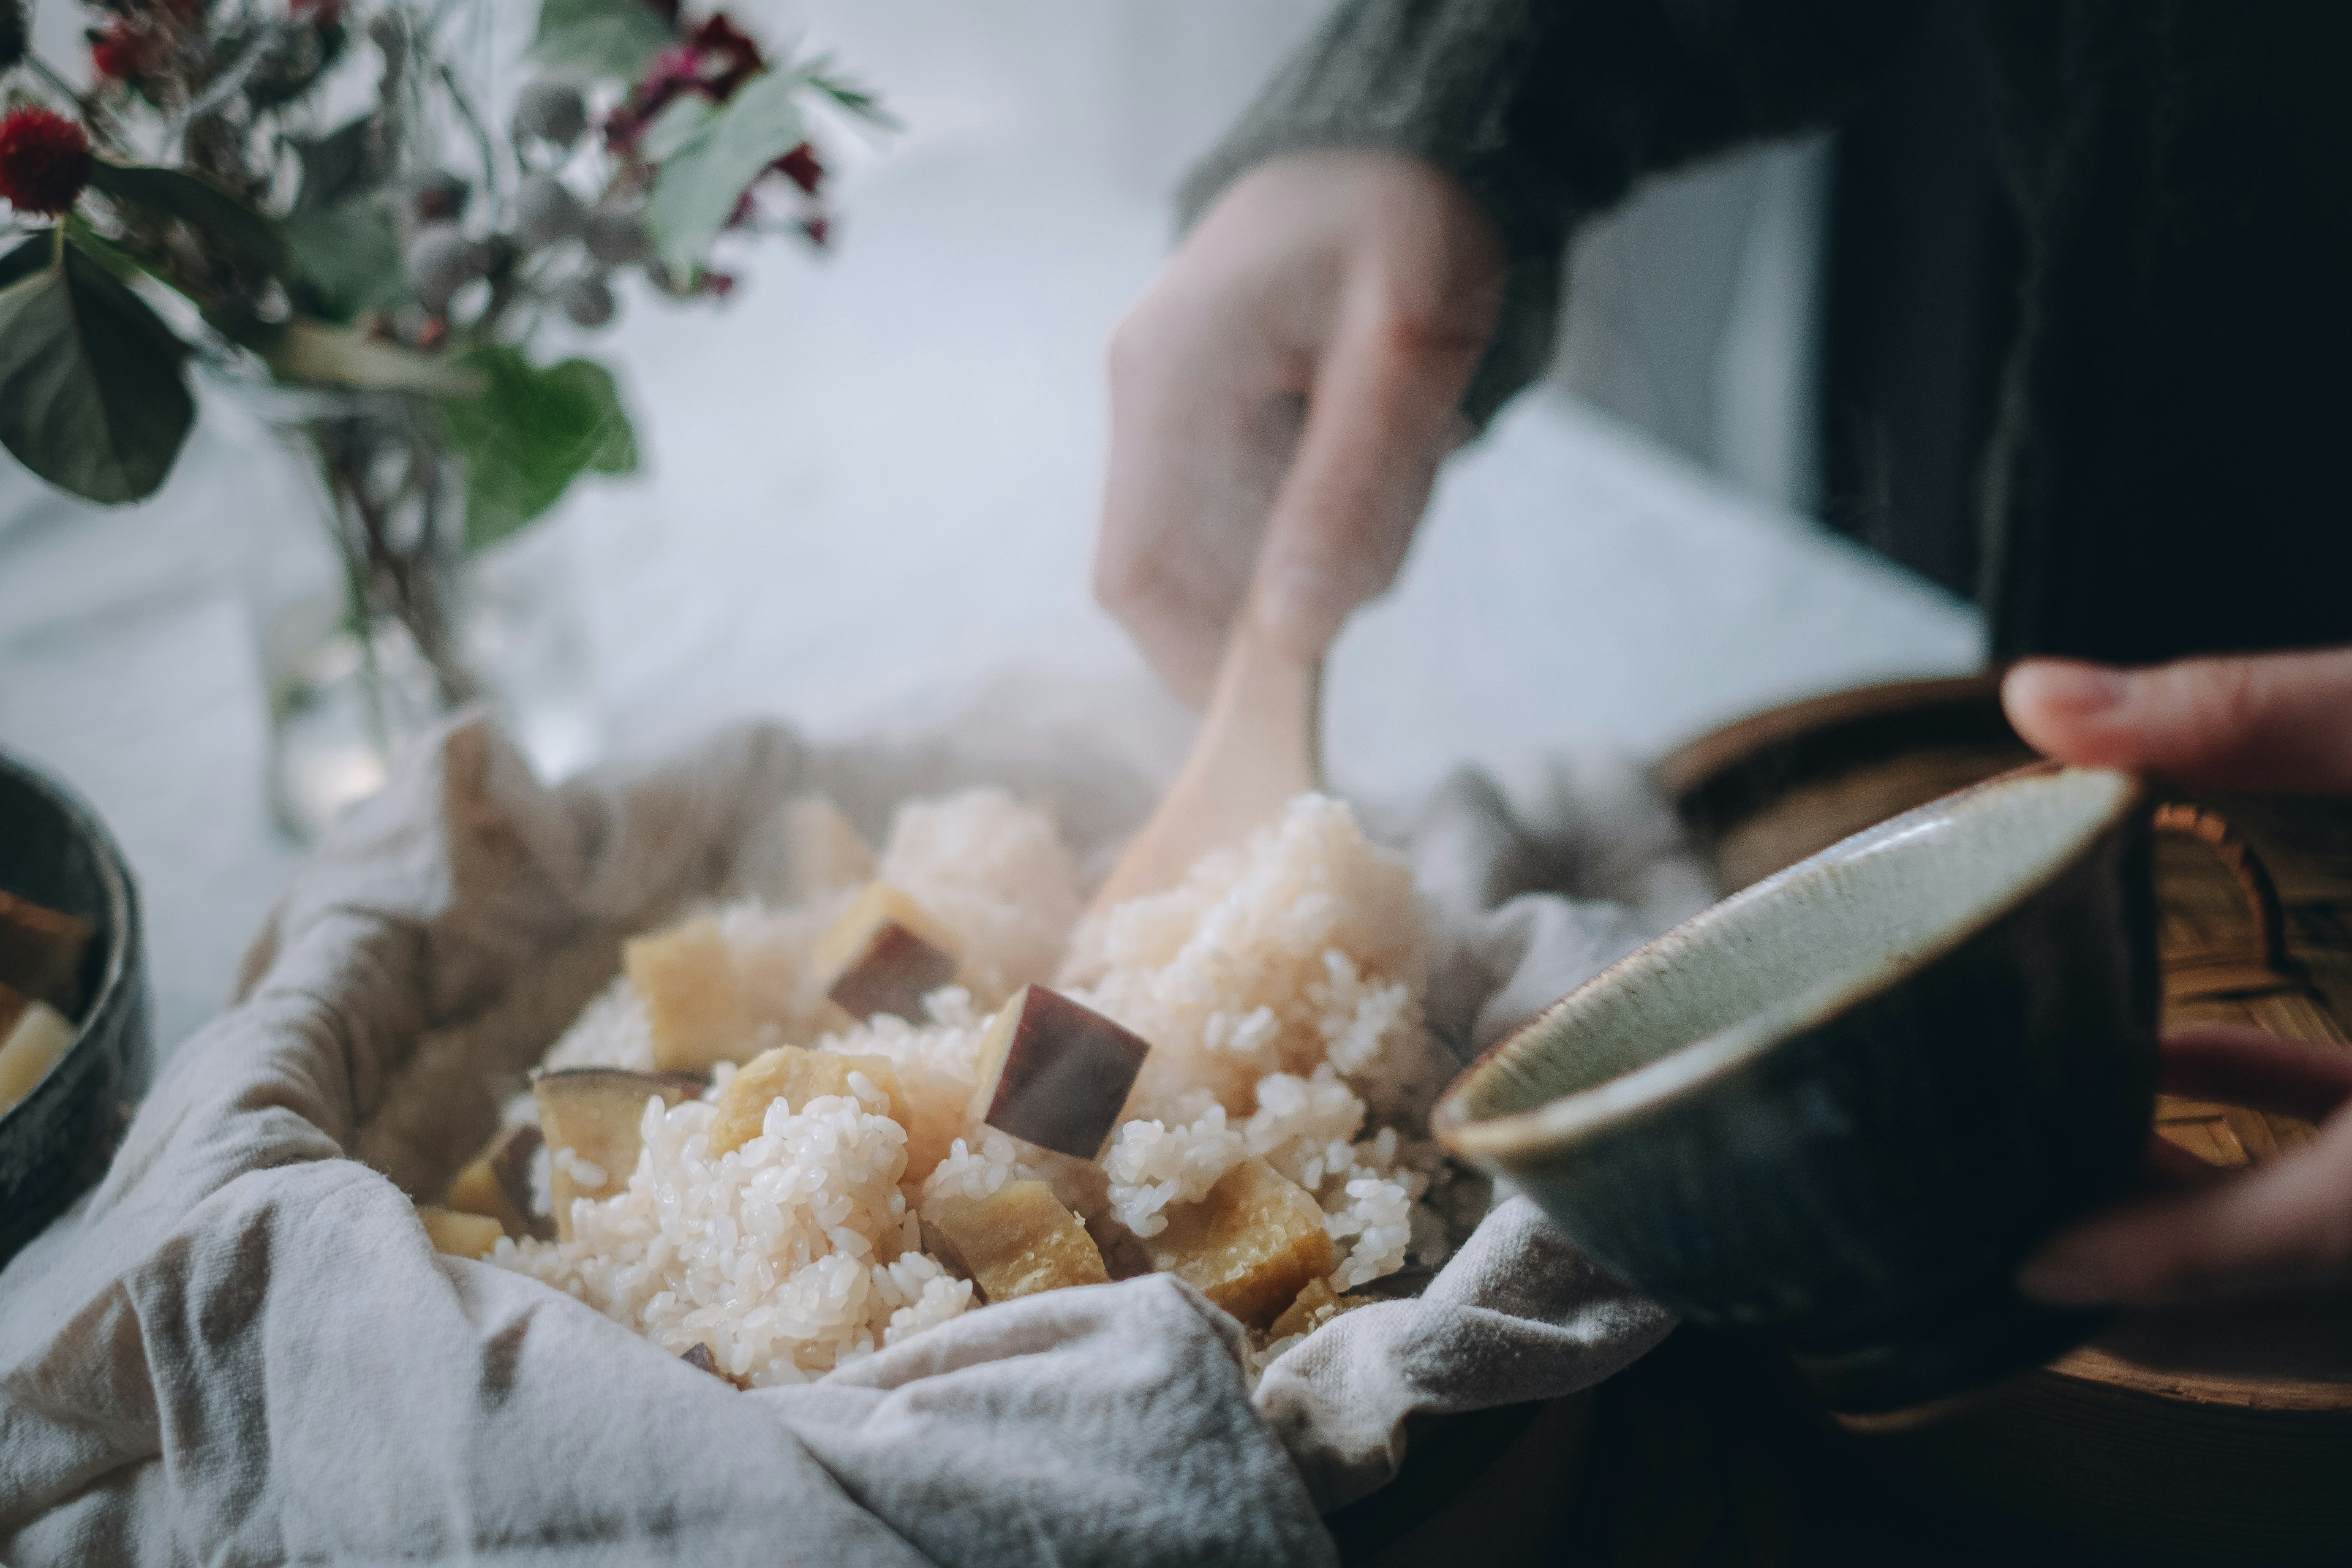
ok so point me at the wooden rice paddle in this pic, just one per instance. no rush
(1258, 748)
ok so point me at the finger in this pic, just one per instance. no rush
(2237, 1065)
(1199, 437)
(2279, 722)
(2283, 1227)
(1384, 414)
(2168, 1166)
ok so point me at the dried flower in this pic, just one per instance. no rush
(714, 62)
(586, 301)
(545, 212)
(801, 167)
(45, 161)
(123, 50)
(618, 238)
(550, 111)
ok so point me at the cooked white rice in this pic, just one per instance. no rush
(1278, 986)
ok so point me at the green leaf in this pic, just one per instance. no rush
(346, 260)
(697, 188)
(529, 433)
(348, 161)
(613, 39)
(861, 102)
(112, 257)
(30, 257)
(216, 211)
(91, 395)
(678, 124)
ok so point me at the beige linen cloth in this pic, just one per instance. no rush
(240, 1349)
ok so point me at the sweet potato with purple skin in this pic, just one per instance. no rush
(495, 1184)
(1055, 1073)
(884, 955)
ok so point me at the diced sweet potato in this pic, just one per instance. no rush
(460, 1235)
(884, 955)
(1316, 1305)
(596, 1114)
(30, 1047)
(1016, 1241)
(496, 1184)
(1250, 1245)
(824, 852)
(41, 952)
(693, 997)
(798, 1076)
(1055, 1073)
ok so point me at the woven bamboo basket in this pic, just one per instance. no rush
(2225, 1437)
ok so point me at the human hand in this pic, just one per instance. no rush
(2281, 723)
(1286, 388)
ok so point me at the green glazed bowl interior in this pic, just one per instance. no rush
(1671, 1020)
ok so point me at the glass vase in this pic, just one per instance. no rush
(373, 621)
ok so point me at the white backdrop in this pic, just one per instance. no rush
(871, 485)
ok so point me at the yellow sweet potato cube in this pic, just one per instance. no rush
(884, 955)
(798, 1076)
(693, 997)
(460, 1235)
(1016, 1241)
(41, 952)
(1250, 1245)
(29, 1048)
(1316, 1305)
(823, 851)
(596, 1115)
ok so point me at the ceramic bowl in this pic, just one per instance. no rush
(58, 1140)
(1840, 1106)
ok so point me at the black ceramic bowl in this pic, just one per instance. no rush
(1841, 1105)
(58, 1140)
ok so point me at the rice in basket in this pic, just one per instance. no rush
(1277, 988)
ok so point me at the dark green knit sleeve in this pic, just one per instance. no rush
(1548, 112)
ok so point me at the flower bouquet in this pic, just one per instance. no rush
(316, 196)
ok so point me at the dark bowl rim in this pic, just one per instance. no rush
(121, 917)
(1695, 1068)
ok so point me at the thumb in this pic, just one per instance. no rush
(1383, 414)
(2277, 722)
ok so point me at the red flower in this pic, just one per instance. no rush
(727, 57)
(714, 60)
(122, 50)
(801, 167)
(817, 229)
(45, 161)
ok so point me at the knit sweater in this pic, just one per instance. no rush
(2163, 476)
